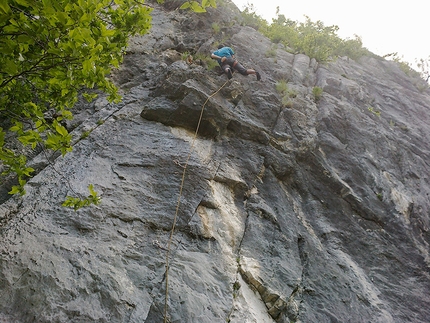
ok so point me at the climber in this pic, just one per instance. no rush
(225, 57)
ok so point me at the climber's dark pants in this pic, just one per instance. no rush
(234, 65)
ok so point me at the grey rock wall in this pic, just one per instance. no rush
(314, 211)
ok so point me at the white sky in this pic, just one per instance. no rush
(384, 26)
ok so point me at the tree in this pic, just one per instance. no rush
(52, 50)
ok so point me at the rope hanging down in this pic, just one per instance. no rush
(179, 200)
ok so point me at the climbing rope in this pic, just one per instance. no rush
(179, 199)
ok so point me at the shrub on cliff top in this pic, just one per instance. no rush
(313, 39)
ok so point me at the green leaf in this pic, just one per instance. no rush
(65, 114)
(87, 66)
(61, 130)
(107, 32)
(77, 203)
(31, 138)
(196, 7)
(90, 96)
(18, 127)
(28, 170)
(2, 134)
(186, 5)
(212, 3)
(4, 7)
(16, 190)
(10, 67)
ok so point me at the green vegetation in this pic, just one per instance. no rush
(55, 50)
(77, 203)
(310, 38)
(197, 6)
(317, 92)
(209, 62)
(286, 93)
(185, 56)
(321, 42)
(281, 86)
(200, 59)
(272, 51)
(375, 112)
(250, 18)
(404, 66)
(236, 287)
(52, 52)
(85, 134)
(216, 28)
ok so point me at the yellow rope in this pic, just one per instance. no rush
(179, 200)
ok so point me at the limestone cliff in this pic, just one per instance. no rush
(311, 210)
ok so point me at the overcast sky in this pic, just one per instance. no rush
(384, 26)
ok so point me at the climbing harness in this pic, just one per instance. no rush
(179, 200)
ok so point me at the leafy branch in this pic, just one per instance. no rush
(51, 52)
(199, 7)
(77, 203)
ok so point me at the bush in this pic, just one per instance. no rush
(317, 92)
(313, 39)
(286, 93)
(352, 48)
(281, 87)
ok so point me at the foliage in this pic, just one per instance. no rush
(404, 66)
(282, 30)
(286, 93)
(352, 48)
(77, 203)
(422, 73)
(287, 102)
(375, 112)
(211, 64)
(316, 40)
(216, 28)
(281, 86)
(52, 50)
(206, 60)
(317, 92)
(250, 18)
(199, 7)
(313, 39)
(200, 59)
(185, 55)
(271, 52)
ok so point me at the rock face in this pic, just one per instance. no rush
(310, 210)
